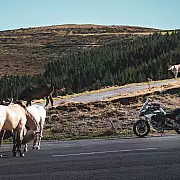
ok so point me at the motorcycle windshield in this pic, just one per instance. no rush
(144, 105)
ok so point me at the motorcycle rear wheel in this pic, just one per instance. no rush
(141, 128)
(177, 130)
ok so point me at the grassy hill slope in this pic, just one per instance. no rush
(28, 50)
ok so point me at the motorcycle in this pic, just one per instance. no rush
(153, 115)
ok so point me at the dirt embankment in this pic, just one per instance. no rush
(101, 119)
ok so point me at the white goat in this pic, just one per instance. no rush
(175, 69)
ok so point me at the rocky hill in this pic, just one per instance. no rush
(28, 50)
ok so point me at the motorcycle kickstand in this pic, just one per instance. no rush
(162, 129)
(162, 132)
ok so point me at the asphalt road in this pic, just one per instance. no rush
(98, 96)
(125, 159)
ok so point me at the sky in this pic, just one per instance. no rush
(162, 14)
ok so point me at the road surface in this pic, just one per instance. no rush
(152, 158)
(98, 96)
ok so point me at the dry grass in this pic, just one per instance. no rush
(78, 120)
(103, 119)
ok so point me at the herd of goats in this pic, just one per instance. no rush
(24, 123)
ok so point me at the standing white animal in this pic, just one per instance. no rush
(14, 118)
(39, 114)
(175, 69)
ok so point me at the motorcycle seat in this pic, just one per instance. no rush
(173, 113)
(177, 110)
(170, 114)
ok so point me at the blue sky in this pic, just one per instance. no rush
(163, 14)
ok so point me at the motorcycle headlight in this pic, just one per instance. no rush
(142, 112)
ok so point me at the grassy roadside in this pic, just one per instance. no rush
(103, 119)
(107, 119)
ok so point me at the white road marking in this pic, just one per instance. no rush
(102, 152)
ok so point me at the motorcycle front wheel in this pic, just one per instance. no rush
(141, 128)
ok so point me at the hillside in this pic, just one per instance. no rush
(28, 50)
(114, 63)
(117, 63)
